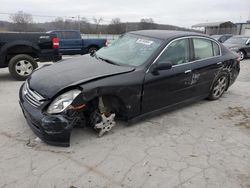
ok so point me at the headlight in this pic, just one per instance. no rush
(24, 88)
(63, 101)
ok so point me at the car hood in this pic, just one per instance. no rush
(233, 45)
(50, 80)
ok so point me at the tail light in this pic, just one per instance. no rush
(55, 43)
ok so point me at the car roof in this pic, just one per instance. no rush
(166, 34)
(241, 36)
(223, 35)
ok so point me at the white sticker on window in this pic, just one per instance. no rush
(145, 42)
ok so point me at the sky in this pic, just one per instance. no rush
(183, 13)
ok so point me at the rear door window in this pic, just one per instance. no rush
(70, 35)
(203, 48)
(216, 49)
(59, 34)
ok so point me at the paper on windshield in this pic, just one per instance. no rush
(145, 42)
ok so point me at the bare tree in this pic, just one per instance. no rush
(22, 21)
(116, 21)
(84, 25)
(97, 22)
(116, 27)
(147, 23)
(58, 23)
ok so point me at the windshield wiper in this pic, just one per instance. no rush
(108, 61)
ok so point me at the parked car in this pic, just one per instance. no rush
(239, 44)
(71, 42)
(21, 51)
(222, 38)
(141, 73)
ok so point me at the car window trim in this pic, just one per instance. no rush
(212, 50)
(187, 37)
(248, 40)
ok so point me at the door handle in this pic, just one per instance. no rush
(187, 71)
(219, 63)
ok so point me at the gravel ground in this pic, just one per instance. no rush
(206, 144)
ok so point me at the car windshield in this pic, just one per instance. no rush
(131, 50)
(237, 40)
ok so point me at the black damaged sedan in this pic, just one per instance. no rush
(141, 73)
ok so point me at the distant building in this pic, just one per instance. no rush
(217, 28)
(243, 28)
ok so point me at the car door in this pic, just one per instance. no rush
(168, 87)
(207, 59)
(195, 62)
(73, 41)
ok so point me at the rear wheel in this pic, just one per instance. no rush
(242, 55)
(21, 66)
(219, 87)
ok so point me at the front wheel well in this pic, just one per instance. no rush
(111, 102)
(21, 49)
(243, 50)
(93, 47)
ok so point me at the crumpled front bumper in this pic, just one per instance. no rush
(52, 129)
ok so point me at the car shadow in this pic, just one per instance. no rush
(6, 77)
(84, 135)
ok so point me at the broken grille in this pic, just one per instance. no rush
(32, 97)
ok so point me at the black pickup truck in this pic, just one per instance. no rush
(21, 52)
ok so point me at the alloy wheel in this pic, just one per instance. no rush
(220, 87)
(242, 55)
(23, 68)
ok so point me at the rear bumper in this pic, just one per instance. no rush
(234, 74)
(52, 129)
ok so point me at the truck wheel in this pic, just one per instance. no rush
(21, 66)
(92, 50)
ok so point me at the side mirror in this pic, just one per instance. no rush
(248, 42)
(162, 65)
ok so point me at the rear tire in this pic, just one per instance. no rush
(219, 87)
(21, 66)
(242, 55)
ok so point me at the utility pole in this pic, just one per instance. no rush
(79, 22)
(249, 16)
